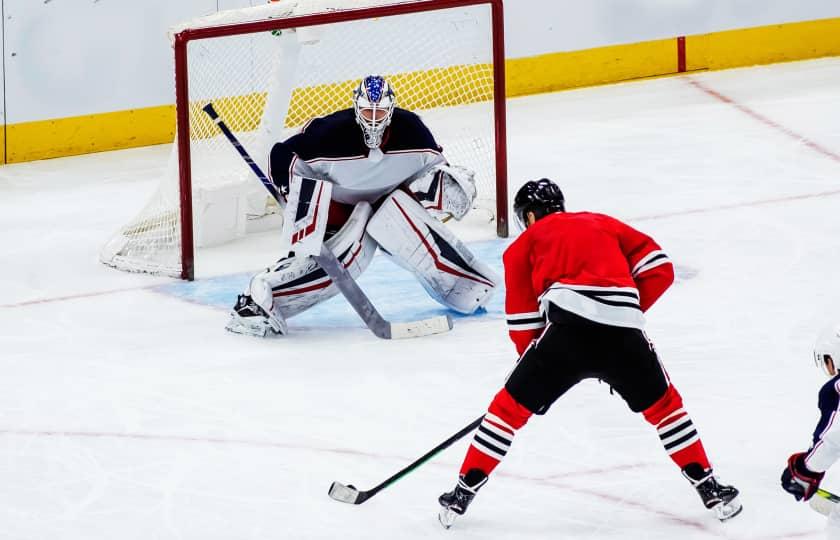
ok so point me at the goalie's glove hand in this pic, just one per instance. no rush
(464, 178)
(799, 480)
(446, 191)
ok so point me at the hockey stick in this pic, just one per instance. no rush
(339, 275)
(350, 495)
(824, 501)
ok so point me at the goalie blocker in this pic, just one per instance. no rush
(401, 226)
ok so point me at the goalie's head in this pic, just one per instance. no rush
(535, 200)
(827, 349)
(374, 102)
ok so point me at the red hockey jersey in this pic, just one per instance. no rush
(590, 264)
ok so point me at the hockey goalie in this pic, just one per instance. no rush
(367, 177)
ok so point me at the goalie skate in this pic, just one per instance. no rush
(250, 319)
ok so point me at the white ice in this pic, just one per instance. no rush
(128, 413)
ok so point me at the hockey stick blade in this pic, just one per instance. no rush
(348, 494)
(425, 327)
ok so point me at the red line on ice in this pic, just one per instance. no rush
(709, 528)
(731, 206)
(178, 438)
(75, 296)
(765, 120)
(550, 481)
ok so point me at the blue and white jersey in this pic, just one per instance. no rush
(826, 442)
(333, 148)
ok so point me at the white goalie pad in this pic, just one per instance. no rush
(448, 271)
(446, 190)
(305, 216)
(297, 283)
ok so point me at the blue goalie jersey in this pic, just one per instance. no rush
(332, 148)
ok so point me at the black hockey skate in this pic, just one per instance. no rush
(250, 318)
(454, 503)
(719, 498)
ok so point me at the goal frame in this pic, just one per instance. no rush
(184, 37)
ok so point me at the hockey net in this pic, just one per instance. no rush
(269, 69)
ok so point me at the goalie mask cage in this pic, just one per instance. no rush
(269, 69)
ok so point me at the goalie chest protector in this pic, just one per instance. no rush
(332, 147)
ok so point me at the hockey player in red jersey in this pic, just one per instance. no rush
(577, 285)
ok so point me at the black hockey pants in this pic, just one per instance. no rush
(572, 349)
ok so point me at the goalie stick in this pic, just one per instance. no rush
(339, 275)
(350, 495)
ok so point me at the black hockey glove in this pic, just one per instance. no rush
(798, 480)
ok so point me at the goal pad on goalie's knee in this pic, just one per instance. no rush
(297, 283)
(448, 271)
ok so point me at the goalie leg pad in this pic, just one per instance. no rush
(448, 271)
(296, 283)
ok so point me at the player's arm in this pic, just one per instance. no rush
(524, 321)
(280, 166)
(805, 470)
(650, 267)
(284, 160)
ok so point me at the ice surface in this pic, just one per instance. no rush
(128, 412)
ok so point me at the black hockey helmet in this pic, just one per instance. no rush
(542, 197)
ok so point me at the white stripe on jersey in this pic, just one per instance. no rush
(647, 262)
(529, 326)
(596, 307)
(596, 289)
(520, 316)
(532, 320)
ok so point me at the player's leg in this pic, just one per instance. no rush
(547, 369)
(295, 284)
(418, 242)
(635, 372)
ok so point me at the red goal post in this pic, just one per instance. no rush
(192, 133)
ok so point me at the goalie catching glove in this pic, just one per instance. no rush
(799, 480)
(446, 191)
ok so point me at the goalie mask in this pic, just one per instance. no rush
(374, 103)
(827, 350)
(541, 197)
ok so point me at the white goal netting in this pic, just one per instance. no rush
(266, 85)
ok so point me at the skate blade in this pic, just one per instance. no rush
(446, 517)
(727, 511)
